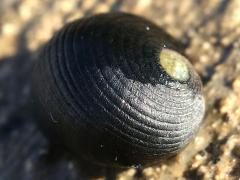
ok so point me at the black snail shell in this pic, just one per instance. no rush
(115, 91)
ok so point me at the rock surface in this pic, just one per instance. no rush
(210, 31)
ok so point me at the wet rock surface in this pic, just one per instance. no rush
(210, 31)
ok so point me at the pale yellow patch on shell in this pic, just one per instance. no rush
(174, 64)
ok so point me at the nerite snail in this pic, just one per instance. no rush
(116, 90)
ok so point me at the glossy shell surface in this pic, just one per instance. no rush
(117, 90)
